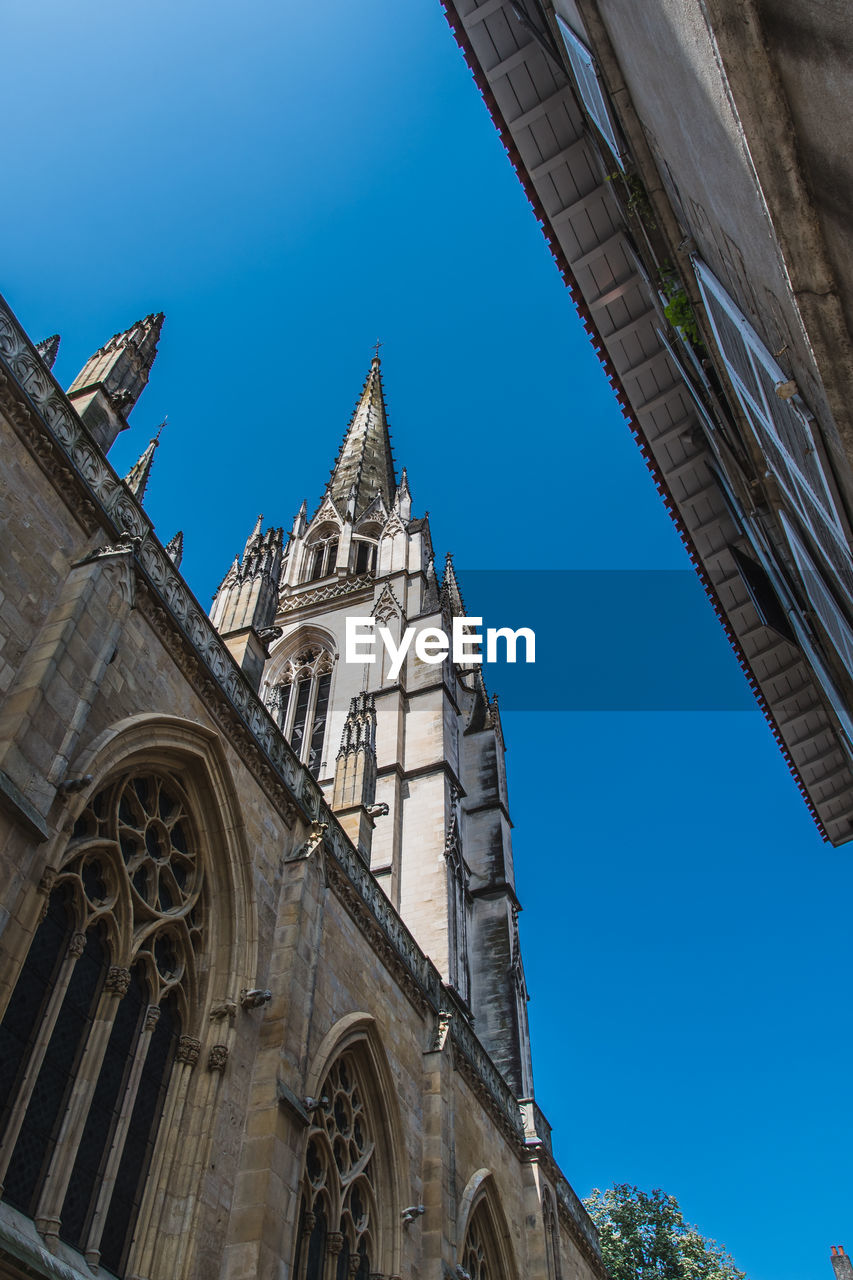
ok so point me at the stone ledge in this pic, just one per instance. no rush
(16, 804)
(23, 1250)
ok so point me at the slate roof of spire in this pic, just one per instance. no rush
(364, 468)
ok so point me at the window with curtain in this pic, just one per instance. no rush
(95, 1021)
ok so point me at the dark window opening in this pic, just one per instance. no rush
(763, 596)
(318, 731)
(139, 1141)
(28, 1003)
(37, 1139)
(365, 557)
(104, 1113)
(297, 733)
(317, 563)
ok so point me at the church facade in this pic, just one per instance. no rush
(262, 1002)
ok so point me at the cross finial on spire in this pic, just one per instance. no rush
(160, 428)
(376, 347)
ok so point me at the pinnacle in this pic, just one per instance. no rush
(139, 474)
(364, 467)
(47, 349)
(122, 366)
(175, 548)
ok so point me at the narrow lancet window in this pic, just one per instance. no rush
(300, 701)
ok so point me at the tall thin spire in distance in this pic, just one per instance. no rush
(364, 468)
(139, 474)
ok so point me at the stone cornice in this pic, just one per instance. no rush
(476, 1067)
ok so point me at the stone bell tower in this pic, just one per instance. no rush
(414, 764)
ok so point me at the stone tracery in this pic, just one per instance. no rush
(300, 701)
(339, 1190)
(480, 1254)
(108, 1017)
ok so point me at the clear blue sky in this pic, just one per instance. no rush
(288, 183)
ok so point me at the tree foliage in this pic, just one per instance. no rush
(644, 1237)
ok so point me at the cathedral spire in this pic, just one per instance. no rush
(364, 468)
(112, 380)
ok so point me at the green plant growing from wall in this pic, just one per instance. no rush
(679, 311)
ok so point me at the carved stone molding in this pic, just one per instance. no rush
(77, 945)
(334, 1243)
(117, 980)
(188, 1050)
(312, 844)
(152, 1017)
(223, 1009)
(440, 1033)
(47, 881)
(334, 591)
(217, 1057)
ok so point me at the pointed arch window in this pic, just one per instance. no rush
(339, 1220)
(322, 557)
(365, 556)
(480, 1254)
(94, 1023)
(300, 702)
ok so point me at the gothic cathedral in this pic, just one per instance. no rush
(263, 1003)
